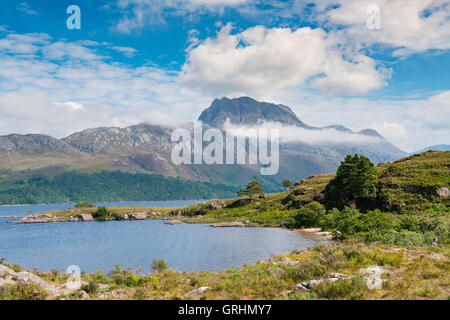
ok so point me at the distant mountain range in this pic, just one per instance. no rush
(439, 147)
(145, 149)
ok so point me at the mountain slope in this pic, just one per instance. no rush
(146, 149)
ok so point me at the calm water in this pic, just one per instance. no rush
(101, 245)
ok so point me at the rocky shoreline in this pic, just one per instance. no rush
(84, 217)
(316, 233)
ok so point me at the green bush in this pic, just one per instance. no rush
(101, 214)
(404, 238)
(159, 265)
(310, 215)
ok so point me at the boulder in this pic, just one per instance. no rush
(198, 291)
(138, 216)
(374, 270)
(86, 217)
(300, 287)
(214, 206)
(84, 295)
(443, 192)
(337, 275)
(5, 270)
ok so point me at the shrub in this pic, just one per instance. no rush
(348, 222)
(101, 214)
(91, 287)
(22, 291)
(84, 204)
(310, 215)
(353, 289)
(159, 265)
(120, 276)
(403, 238)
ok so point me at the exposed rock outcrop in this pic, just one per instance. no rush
(135, 216)
(443, 192)
(198, 291)
(86, 217)
(10, 277)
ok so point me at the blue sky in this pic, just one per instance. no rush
(164, 61)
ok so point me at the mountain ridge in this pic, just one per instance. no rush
(146, 149)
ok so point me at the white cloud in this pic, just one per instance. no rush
(64, 87)
(351, 78)
(42, 87)
(127, 51)
(261, 59)
(70, 105)
(295, 134)
(410, 25)
(410, 124)
(141, 13)
(392, 131)
(26, 8)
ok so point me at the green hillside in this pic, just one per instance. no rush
(107, 186)
(412, 205)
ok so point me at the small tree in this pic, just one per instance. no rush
(251, 189)
(159, 265)
(101, 214)
(287, 183)
(355, 184)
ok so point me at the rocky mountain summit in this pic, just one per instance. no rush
(247, 111)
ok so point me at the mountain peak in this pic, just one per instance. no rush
(247, 111)
(371, 132)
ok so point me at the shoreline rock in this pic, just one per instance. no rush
(135, 216)
(316, 232)
(172, 222)
(229, 224)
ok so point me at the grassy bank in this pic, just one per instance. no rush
(405, 273)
